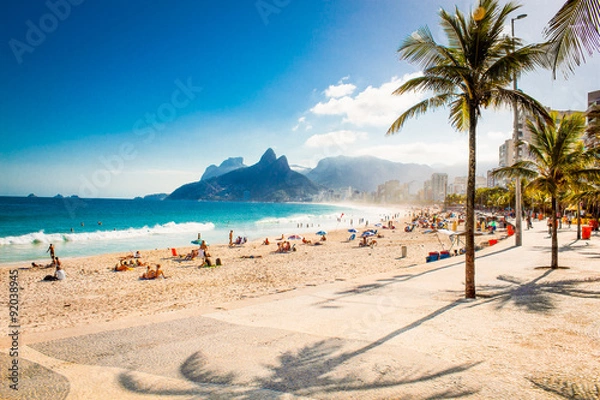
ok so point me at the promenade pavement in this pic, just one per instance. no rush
(406, 334)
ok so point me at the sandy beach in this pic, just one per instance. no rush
(94, 292)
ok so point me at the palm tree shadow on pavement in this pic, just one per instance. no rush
(535, 295)
(318, 369)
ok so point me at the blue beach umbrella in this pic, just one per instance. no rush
(321, 233)
(352, 230)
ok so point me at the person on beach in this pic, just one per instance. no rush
(159, 272)
(153, 274)
(231, 238)
(122, 266)
(59, 275)
(137, 254)
(51, 251)
(149, 274)
(204, 248)
(193, 254)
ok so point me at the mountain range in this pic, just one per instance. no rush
(269, 180)
(231, 164)
(272, 178)
(365, 173)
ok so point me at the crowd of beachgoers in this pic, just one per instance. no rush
(110, 286)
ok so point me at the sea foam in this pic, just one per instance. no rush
(45, 238)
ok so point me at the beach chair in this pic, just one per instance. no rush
(352, 237)
(174, 252)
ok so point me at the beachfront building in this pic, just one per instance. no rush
(593, 100)
(390, 192)
(439, 187)
(459, 184)
(492, 181)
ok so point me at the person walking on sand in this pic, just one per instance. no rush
(231, 237)
(51, 251)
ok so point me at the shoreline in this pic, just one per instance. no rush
(151, 237)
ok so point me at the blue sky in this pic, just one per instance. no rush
(118, 99)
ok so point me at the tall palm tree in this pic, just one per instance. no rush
(560, 163)
(573, 32)
(472, 72)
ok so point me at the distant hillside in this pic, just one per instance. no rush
(365, 173)
(271, 179)
(231, 164)
(153, 197)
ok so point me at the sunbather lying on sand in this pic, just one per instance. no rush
(122, 267)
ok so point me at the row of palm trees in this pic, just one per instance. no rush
(474, 71)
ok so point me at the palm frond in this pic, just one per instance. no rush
(524, 169)
(574, 32)
(418, 109)
(501, 96)
(420, 48)
(435, 84)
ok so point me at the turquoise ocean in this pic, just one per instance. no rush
(83, 227)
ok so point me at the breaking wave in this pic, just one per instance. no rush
(45, 238)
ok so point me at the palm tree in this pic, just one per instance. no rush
(573, 32)
(560, 163)
(472, 72)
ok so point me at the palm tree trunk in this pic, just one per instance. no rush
(578, 220)
(554, 262)
(470, 222)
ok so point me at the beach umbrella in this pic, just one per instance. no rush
(321, 233)
(352, 230)
(379, 225)
(197, 241)
(367, 234)
(294, 237)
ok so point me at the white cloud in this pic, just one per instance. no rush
(340, 90)
(337, 138)
(374, 106)
(450, 152)
(302, 122)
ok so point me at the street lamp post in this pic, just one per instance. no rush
(518, 199)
